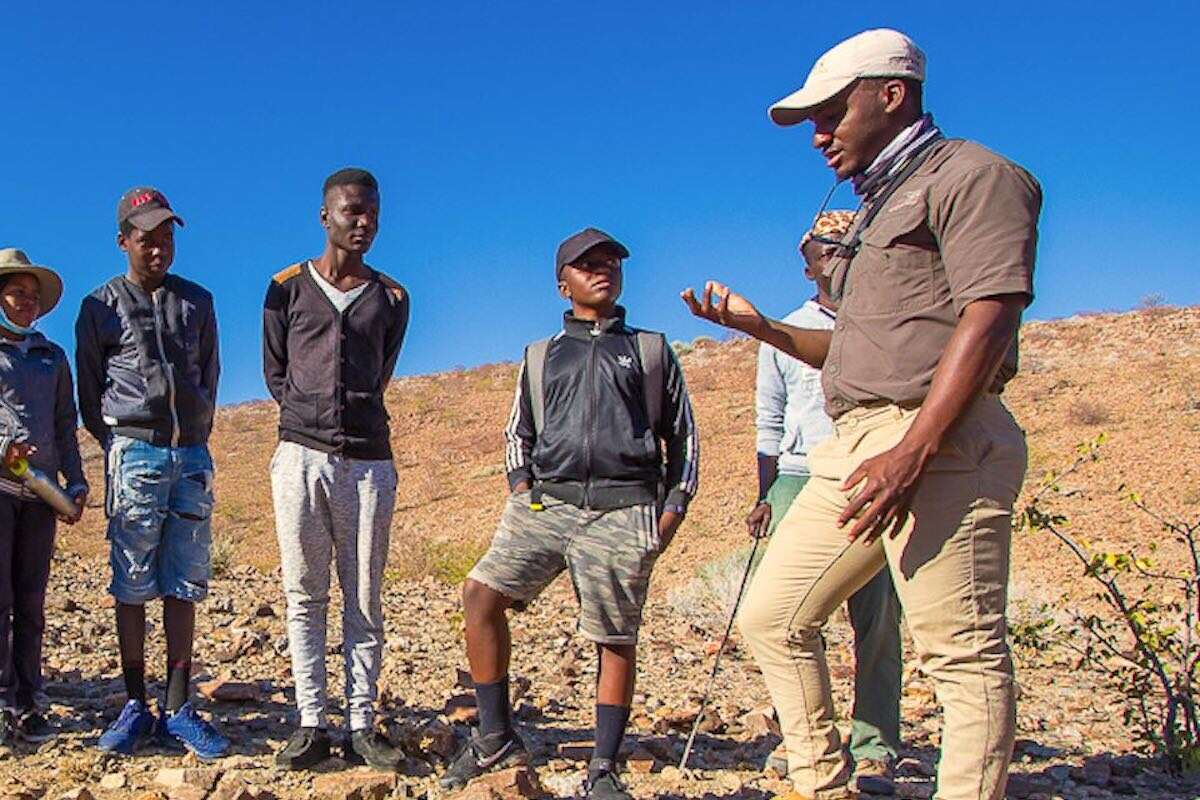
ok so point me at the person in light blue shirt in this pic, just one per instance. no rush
(791, 421)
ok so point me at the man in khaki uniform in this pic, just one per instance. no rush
(925, 462)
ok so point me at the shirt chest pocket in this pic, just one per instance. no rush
(896, 264)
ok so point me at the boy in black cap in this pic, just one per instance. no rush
(592, 493)
(147, 364)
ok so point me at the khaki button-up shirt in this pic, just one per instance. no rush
(963, 227)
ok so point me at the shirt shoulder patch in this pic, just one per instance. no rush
(392, 286)
(287, 273)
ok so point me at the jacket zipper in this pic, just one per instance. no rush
(591, 415)
(162, 353)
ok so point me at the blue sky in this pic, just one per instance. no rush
(498, 128)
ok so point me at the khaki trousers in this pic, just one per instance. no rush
(949, 565)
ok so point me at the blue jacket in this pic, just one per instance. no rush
(37, 407)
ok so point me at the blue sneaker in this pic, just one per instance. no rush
(130, 731)
(186, 727)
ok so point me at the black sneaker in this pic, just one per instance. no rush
(372, 748)
(306, 748)
(483, 754)
(8, 728)
(34, 728)
(602, 782)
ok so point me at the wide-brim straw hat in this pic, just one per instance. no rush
(14, 261)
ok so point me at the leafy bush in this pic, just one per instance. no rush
(1146, 640)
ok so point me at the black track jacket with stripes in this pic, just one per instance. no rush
(596, 449)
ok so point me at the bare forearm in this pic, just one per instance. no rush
(983, 335)
(768, 468)
(809, 345)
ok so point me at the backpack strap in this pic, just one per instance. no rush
(652, 352)
(535, 373)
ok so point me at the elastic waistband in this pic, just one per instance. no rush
(600, 498)
(375, 449)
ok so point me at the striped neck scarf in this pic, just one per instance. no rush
(896, 155)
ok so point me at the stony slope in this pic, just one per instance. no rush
(1131, 375)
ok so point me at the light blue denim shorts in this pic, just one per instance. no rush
(159, 502)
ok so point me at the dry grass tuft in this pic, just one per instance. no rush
(1086, 412)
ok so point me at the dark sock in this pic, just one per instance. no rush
(495, 716)
(135, 682)
(178, 676)
(610, 730)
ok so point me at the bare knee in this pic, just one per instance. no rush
(481, 602)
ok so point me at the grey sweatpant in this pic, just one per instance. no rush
(328, 506)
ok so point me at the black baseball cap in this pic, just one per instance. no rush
(577, 244)
(145, 208)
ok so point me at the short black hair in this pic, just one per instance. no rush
(125, 227)
(350, 176)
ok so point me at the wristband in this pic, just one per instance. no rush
(675, 508)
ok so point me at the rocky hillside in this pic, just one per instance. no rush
(1132, 376)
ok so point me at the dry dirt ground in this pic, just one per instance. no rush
(1132, 376)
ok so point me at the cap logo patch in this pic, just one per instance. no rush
(146, 197)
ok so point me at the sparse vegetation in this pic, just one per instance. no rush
(709, 597)
(1152, 301)
(446, 560)
(1146, 640)
(1087, 412)
(222, 555)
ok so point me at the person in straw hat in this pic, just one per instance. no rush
(37, 423)
(925, 462)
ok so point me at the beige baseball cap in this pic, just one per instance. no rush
(878, 53)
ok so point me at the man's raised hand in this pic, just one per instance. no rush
(719, 304)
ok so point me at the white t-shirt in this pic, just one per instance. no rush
(341, 300)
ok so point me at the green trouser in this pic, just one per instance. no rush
(875, 616)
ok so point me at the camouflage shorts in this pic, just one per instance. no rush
(608, 553)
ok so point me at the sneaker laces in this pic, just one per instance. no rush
(203, 730)
(125, 720)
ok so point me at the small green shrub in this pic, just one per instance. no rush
(1145, 643)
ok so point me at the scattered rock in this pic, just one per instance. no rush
(914, 768)
(477, 791)
(568, 665)
(1097, 771)
(80, 793)
(174, 777)
(515, 782)
(186, 793)
(461, 708)
(1031, 750)
(671, 773)
(438, 738)
(1022, 786)
(640, 761)
(761, 721)
(114, 780)
(353, 786)
(909, 790)
(675, 720)
(230, 691)
(264, 610)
